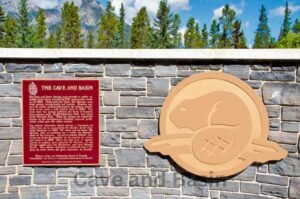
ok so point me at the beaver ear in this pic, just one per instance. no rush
(169, 144)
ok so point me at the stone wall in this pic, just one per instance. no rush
(131, 97)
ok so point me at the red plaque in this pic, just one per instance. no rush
(60, 122)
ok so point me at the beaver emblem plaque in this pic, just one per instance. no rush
(214, 125)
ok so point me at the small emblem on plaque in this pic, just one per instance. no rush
(32, 89)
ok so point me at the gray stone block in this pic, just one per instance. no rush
(150, 101)
(248, 187)
(129, 84)
(83, 68)
(273, 111)
(157, 161)
(135, 113)
(283, 68)
(106, 84)
(24, 170)
(137, 157)
(4, 147)
(14, 133)
(119, 177)
(186, 73)
(271, 179)
(19, 180)
(5, 122)
(127, 101)
(110, 139)
(241, 71)
(55, 76)
(274, 124)
(273, 76)
(58, 195)
(141, 193)
(274, 190)
(289, 166)
(67, 172)
(260, 67)
(101, 172)
(10, 90)
(1, 68)
(280, 93)
(284, 138)
(171, 180)
(82, 187)
(14, 160)
(53, 68)
(207, 67)
(3, 184)
(16, 147)
(228, 195)
(14, 68)
(5, 78)
(147, 129)
(142, 72)
(165, 191)
(246, 175)
(158, 87)
(165, 71)
(113, 191)
(111, 99)
(19, 77)
(7, 170)
(290, 127)
(254, 84)
(34, 192)
(13, 195)
(44, 175)
(294, 191)
(121, 125)
(225, 186)
(290, 114)
(117, 70)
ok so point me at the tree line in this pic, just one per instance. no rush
(163, 32)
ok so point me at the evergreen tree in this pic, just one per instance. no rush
(204, 37)
(176, 35)
(10, 32)
(141, 30)
(41, 28)
(163, 25)
(192, 36)
(296, 26)
(291, 40)
(91, 40)
(70, 26)
(239, 40)
(214, 34)
(2, 26)
(51, 41)
(58, 39)
(120, 40)
(286, 26)
(25, 31)
(108, 28)
(262, 34)
(226, 26)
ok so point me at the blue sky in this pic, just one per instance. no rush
(205, 10)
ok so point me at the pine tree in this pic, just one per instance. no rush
(214, 34)
(141, 30)
(262, 34)
(41, 28)
(25, 31)
(10, 32)
(238, 35)
(286, 26)
(91, 40)
(176, 35)
(58, 39)
(296, 26)
(204, 37)
(70, 26)
(2, 26)
(192, 35)
(108, 28)
(163, 25)
(51, 41)
(120, 40)
(226, 25)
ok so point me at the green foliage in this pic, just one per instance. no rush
(214, 34)
(226, 26)
(58, 39)
(141, 30)
(120, 40)
(2, 26)
(296, 26)
(40, 30)
(108, 28)
(163, 26)
(25, 31)
(239, 40)
(286, 26)
(70, 26)
(176, 36)
(291, 40)
(192, 35)
(51, 41)
(204, 37)
(10, 33)
(262, 34)
(91, 40)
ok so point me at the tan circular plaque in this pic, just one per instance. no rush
(214, 125)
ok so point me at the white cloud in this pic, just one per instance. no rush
(218, 11)
(46, 4)
(133, 6)
(279, 11)
(247, 24)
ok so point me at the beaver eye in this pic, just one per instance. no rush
(183, 109)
